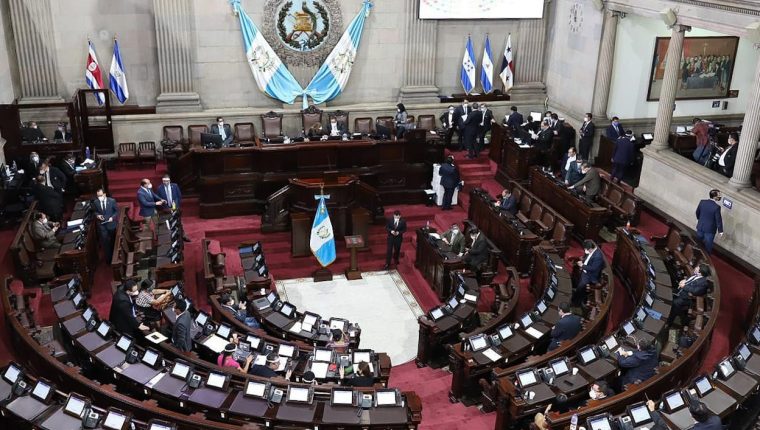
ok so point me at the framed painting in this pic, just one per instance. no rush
(705, 68)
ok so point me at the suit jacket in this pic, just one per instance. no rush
(613, 133)
(514, 120)
(730, 160)
(240, 316)
(401, 229)
(471, 125)
(445, 123)
(459, 113)
(227, 131)
(573, 174)
(640, 366)
(623, 151)
(341, 128)
(69, 171)
(110, 211)
(147, 200)
(592, 181)
(544, 139)
(712, 423)
(457, 245)
(591, 272)
(176, 193)
(478, 253)
(49, 201)
(181, 337)
(566, 328)
(43, 236)
(485, 118)
(696, 287)
(59, 135)
(509, 204)
(57, 178)
(709, 219)
(122, 315)
(449, 176)
(587, 130)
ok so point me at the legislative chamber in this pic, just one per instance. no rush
(365, 214)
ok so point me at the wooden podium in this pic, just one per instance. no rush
(353, 243)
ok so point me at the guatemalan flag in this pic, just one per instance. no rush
(322, 242)
(467, 76)
(93, 75)
(508, 66)
(272, 77)
(332, 77)
(117, 77)
(486, 72)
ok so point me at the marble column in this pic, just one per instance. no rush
(529, 57)
(420, 49)
(605, 64)
(174, 42)
(745, 155)
(669, 87)
(34, 40)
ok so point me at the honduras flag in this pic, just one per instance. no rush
(272, 77)
(486, 72)
(322, 242)
(467, 76)
(117, 76)
(332, 77)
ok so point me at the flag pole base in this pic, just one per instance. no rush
(323, 274)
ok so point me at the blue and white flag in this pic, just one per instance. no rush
(332, 77)
(272, 77)
(467, 76)
(486, 72)
(322, 242)
(117, 76)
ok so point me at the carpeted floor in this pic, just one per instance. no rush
(432, 385)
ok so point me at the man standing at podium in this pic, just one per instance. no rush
(396, 227)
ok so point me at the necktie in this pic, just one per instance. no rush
(169, 194)
(395, 224)
(221, 132)
(103, 204)
(483, 119)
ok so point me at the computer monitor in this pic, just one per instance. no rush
(116, 420)
(478, 342)
(287, 309)
(628, 328)
(639, 413)
(43, 391)
(150, 357)
(680, 129)
(436, 313)
(647, 136)
(324, 355)
(310, 318)
(641, 315)
(88, 314)
(255, 389)
(211, 140)
(505, 331)
(180, 370)
(541, 307)
(674, 401)
(217, 380)
(526, 378)
(526, 320)
(744, 352)
(587, 355)
(387, 397)
(648, 300)
(124, 343)
(271, 297)
(703, 385)
(550, 293)
(299, 394)
(286, 351)
(254, 341)
(75, 406)
(12, 373)
(359, 356)
(560, 367)
(201, 318)
(453, 302)
(77, 300)
(726, 369)
(160, 425)
(536, 116)
(223, 331)
(104, 329)
(342, 397)
(611, 342)
(599, 423)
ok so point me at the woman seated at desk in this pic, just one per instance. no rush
(226, 360)
(316, 132)
(150, 301)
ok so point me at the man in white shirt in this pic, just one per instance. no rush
(223, 130)
(728, 156)
(449, 123)
(336, 129)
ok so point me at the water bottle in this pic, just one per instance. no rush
(574, 422)
(427, 225)
(87, 153)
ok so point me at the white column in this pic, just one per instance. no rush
(420, 48)
(745, 155)
(529, 57)
(605, 64)
(669, 87)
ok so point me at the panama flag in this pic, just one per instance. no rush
(93, 75)
(272, 77)
(467, 76)
(486, 72)
(508, 66)
(322, 242)
(332, 77)
(117, 77)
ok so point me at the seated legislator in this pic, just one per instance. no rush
(705, 419)
(49, 200)
(639, 365)
(591, 182)
(61, 134)
(567, 160)
(600, 390)
(270, 370)
(239, 312)
(591, 267)
(727, 157)
(574, 172)
(454, 238)
(225, 359)
(507, 202)
(568, 326)
(223, 130)
(336, 129)
(363, 377)
(338, 339)
(31, 133)
(181, 337)
(123, 315)
(477, 255)
(316, 132)
(695, 285)
(43, 232)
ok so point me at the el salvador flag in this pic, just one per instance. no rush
(332, 77)
(467, 76)
(118, 79)
(272, 77)
(486, 72)
(322, 242)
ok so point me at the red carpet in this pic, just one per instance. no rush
(432, 385)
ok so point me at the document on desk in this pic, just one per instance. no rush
(156, 337)
(296, 327)
(215, 343)
(491, 354)
(320, 370)
(155, 379)
(533, 332)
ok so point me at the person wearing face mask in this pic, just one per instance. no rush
(586, 136)
(395, 226)
(449, 181)
(615, 129)
(600, 390)
(107, 214)
(336, 129)
(49, 200)
(709, 220)
(574, 172)
(43, 232)
(514, 120)
(53, 177)
(123, 314)
(477, 254)
(507, 202)
(32, 166)
(486, 119)
(567, 160)
(223, 130)
(454, 238)
(400, 120)
(449, 123)
(470, 126)
(149, 202)
(61, 134)
(590, 268)
(68, 167)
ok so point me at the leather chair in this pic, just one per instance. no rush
(427, 122)
(271, 125)
(194, 134)
(340, 116)
(245, 133)
(525, 204)
(363, 126)
(174, 133)
(386, 121)
(127, 152)
(146, 152)
(310, 116)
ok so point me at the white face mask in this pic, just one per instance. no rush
(36, 159)
(455, 230)
(396, 219)
(43, 220)
(464, 105)
(586, 119)
(221, 123)
(149, 186)
(102, 198)
(483, 109)
(451, 110)
(592, 394)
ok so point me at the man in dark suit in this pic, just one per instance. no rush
(48, 200)
(622, 156)
(32, 133)
(53, 177)
(639, 364)
(507, 202)
(727, 157)
(454, 238)
(514, 120)
(574, 172)
(222, 129)
(705, 419)
(567, 160)
(395, 227)
(61, 134)
(461, 113)
(123, 315)
(181, 337)
(555, 124)
(470, 126)
(615, 129)
(591, 182)
(477, 255)
(335, 128)
(107, 214)
(69, 169)
(709, 220)
(568, 326)
(486, 119)
(591, 267)
(586, 134)
(695, 285)
(544, 137)
(449, 181)
(31, 167)
(149, 202)
(169, 192)
(449, 122)
(240, 312)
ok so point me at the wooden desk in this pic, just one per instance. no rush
(587, 218)
(684, 144)
(434, 259)
(515, 161)
(89, 180)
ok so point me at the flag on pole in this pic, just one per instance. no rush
(322, 241)
(467, 75)
(508, 66)
(117, 77)
(93, 75)
(486, 71)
